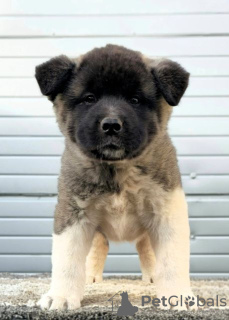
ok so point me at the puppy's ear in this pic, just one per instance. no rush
(171, 80)
(53, 75)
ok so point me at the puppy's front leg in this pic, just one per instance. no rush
(72, 239)
(171, 244)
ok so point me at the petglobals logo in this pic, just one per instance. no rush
(126, 308)
(188, 301)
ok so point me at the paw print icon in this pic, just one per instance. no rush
(190, 301)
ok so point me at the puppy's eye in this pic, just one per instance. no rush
(134, 100)
(90, 98)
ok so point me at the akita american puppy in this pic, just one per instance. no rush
(119, 178)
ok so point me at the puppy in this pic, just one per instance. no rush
(119, 178)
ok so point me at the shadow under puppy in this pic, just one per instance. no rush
(119, 178)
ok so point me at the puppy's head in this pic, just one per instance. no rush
(109, 102)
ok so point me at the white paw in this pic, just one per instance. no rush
(93, 279)
(53, 302)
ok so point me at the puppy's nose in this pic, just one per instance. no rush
(111, 125)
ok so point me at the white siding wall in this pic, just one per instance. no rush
(194, 33)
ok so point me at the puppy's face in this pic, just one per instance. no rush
(110, 100)
(112, 104)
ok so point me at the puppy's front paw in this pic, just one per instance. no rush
(54, 302)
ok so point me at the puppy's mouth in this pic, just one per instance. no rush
(109, 152)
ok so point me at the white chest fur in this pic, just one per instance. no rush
(122, 214)
(120, 220)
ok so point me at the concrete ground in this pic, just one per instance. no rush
(19, 294)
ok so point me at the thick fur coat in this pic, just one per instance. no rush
(119, 178)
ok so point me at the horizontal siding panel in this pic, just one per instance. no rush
(202, 106)
(114, 264)
(201, 145)
(30, 165)
(25, 263)
(26, 107)
(32, 146)
(43, 245)
(199, 126)
(209, 226)
(28, 185)
(51, 165)
(29, 245)
(178, 126)
(166, 46)
(112, 26)
(210, 263)
(19, 87)
(19, 67)
(29, 126)
(27, 207)
(208, 87)
(43, 227)
(54, 146)
(205, 66)
(210, 245)
(100, 7)
(208, 206)
(41, 107)
(206, 185)
(46, 185)
(25, 245)
(27, 227)
(203, 165)
(32, 207)
(197, 66)
(202, 86)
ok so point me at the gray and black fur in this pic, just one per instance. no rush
(115, 83)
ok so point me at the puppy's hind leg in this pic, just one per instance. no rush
(147, 257)
(96, 258)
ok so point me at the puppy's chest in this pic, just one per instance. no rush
(119, 217)
(121, 213)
